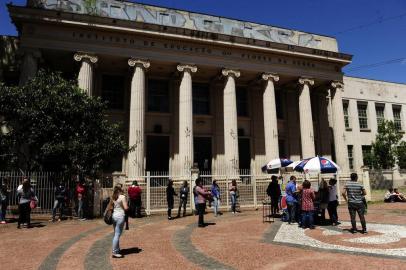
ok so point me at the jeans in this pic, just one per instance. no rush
(359, 208)
(3, 210)
(332, 211)
(182, 203)
(233, 198)
(80, 207)
(200, 208)
(291, 211)
(307, 219)
(118, 224)
(25, 212)
(216, 205)
(58, 204)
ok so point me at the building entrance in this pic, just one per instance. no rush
(202, 153)
(157, 153)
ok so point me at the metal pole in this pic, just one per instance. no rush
(148, 210)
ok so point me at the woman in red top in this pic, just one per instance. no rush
(308, 197)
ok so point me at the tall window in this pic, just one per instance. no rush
(397, 119)
(201, 99)
(158, 96)
(279, 104)
(242, 102)
(366, 151)
(380, 113)
(113, 91)
(282, 149)
(362, 115)
(350, 149)
(346, 115)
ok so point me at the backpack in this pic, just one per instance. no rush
(108, 213)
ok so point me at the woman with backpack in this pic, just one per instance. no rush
(26, 201)
(119, 205)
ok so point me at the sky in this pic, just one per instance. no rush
(373, 31)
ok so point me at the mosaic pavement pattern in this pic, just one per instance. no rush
(383, 239)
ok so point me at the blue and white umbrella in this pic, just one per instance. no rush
(317, 165)
(276, 164)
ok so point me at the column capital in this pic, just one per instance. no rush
(337, 85)
(304, 80)
(230, 72)
(80, 56)
(183, 67)
(270, 76)
(143, 63)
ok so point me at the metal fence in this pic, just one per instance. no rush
(252, 188)
(43, 184)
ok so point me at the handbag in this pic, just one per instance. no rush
(108, 213)
(33, 204)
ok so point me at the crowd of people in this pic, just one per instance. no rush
(295, 203)
(306, 207)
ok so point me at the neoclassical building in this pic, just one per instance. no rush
(220, 93)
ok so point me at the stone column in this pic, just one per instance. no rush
(85, 77)
(186, 118)
(306, 121)
(29, 66)
(230, 122)
(135, 159)
(270, 118)
(339, 126)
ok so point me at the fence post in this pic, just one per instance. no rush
(148, 210)
(254, 179)
(366, 183)
(227, 194)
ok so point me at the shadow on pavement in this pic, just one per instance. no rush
(134, 250)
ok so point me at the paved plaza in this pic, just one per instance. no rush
(239, 241)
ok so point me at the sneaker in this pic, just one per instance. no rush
(353, 231)
(169, 218)
(3, 222)
(364, 232)
(117, 255)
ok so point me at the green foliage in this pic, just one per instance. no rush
(401, 154)
(384, 148)
(53, 125)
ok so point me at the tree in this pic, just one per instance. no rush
(401, 154)
(51, 124)
(384, 149)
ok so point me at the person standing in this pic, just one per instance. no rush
(274, 192)
(333, 202)
(233, 189)
(291, 199)
(215, 193)
(120, 206)
(183, 196)
(354, 193)
(60, 196)
(307, 205)
(4, 199)
(323, 197)
(134, 194)
(201, 201)
(170, 193)
(80, 195)
(25, 196)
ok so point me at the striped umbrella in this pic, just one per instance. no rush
(275, 164)
(317, 165)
